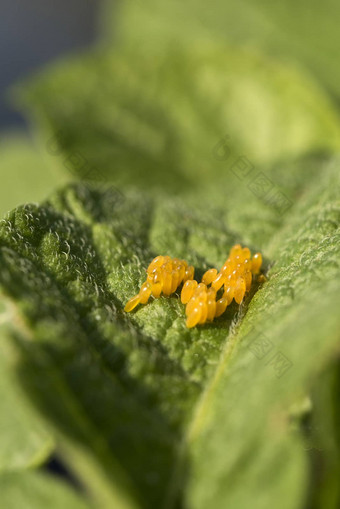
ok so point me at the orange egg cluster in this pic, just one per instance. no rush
(208, 299)
(202, 301)
(164, 275)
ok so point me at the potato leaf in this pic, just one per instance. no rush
(156, 411)
(157, 118)
(33, 490)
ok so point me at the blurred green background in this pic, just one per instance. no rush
(164, 83)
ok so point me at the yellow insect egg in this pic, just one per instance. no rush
(211, 304)
(164, 275)
(246, 253)
(221, 306)
(238, 259)
(145, 292)
(231, 279)
(248, 279)
(167, 266)
(209, 276)
(181, 272)
(154, 276)
(235, 251)
(204, 311)
(202, 291)
(240, 290)
(226, 267)
(188, 290)
(157, 276)
(194, 317)
(256, 263)
(203, 296)
(175, 281)
(218, 281)
(189, 273)
(203, 300)
(200, 288)
(247, 264)
(156, 262)
(197, 307)
(235, 276)
(156, 289)
(192, 304)
(229, 294)
(167, 281)
(132, 303)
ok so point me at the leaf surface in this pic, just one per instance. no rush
(33, 490)
(125, 385)
(24, 440)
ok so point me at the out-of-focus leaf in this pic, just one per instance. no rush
(305, 32)
(24, 439)
(322, 427)
(156, 119)
(25, 177)
(33, 490)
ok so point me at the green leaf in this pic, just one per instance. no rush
(24, 440)
(32, 490)
(300, 32)
(230, 146)
(289, 333)
(322, 439)
(156, 119)
(145, 410)
(118, 391)
(25, 177)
